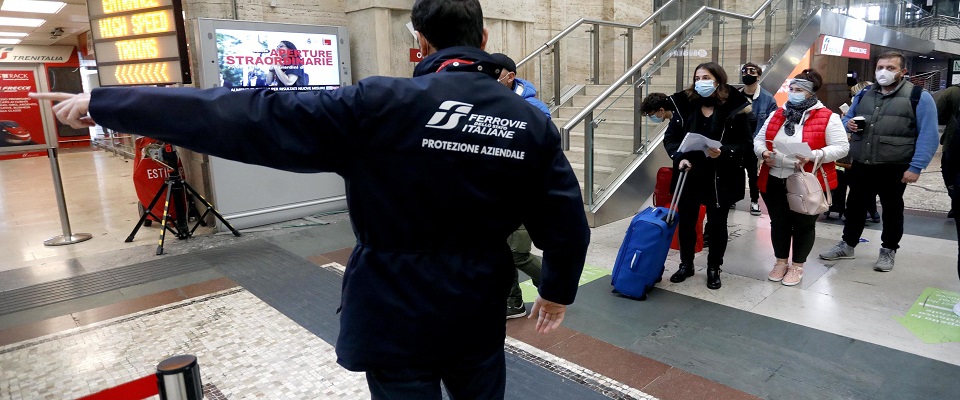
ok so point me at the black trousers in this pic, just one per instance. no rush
(716, 229)
(786, 226)
(752, 166)
(482, 380)
(955, 205)
(866, 183)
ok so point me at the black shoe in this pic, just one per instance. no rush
(875, 217)
(516, 312)
(950, 214)
(685, 271)
(713, 278)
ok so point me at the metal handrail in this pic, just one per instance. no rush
(588, 111)
(582, 21)
(565, 131)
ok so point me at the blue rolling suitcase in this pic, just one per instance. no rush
(640, 261)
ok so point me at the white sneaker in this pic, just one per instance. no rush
(754, 208)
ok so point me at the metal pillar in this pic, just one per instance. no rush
(68, 237)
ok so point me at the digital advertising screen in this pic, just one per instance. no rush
(277, 60)
(293, 60)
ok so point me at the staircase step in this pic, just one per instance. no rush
(608, 127)
(600, 174)
(604, 158)
(602, 141)
(581, 101)
(612, 114)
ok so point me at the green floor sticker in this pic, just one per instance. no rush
(590, 274)
(931, 317)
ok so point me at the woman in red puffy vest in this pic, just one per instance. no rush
(803, 118)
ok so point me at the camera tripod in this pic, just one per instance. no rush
(176, 189)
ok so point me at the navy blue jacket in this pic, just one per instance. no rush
(439, 169)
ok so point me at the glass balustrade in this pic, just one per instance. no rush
(594, 74)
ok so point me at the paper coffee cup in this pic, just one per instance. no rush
(861, 123)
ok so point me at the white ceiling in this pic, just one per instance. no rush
(72, 18)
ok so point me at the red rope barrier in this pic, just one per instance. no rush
(133, 390)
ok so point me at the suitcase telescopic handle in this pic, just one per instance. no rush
(675, 201)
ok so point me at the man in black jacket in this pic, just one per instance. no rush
(423, 298)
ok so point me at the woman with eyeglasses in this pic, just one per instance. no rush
(714, 109)
(802, 119)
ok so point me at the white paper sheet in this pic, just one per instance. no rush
(696, 141)
(793, 150)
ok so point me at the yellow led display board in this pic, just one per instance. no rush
(141, 73)
(139, 42)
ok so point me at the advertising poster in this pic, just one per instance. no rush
(20, 116)
(277, 60)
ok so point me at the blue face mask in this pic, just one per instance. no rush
(704, 87)
(655, 119)
(796, 97)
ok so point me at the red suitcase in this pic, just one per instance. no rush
(662, 197)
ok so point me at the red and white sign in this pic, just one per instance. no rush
(35, 54)
(21, 123)
(416, 55)
(834, 46)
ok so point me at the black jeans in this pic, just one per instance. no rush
(787, 226)
(955, 205)
(866, 183)
(484, 379)
(751, 165)
(689, 212)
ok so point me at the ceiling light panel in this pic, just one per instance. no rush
(13, 34)
(31, 22)
(33, 6)
(9, 41)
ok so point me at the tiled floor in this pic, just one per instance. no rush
(247, 348)
(833, 336)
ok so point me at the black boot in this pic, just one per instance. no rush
(713, 277)
(685, 271)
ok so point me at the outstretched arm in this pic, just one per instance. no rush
(300, 132)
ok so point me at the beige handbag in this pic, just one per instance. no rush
(804, 193)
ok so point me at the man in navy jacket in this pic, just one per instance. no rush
(439, 169)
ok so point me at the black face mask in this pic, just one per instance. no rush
(749, 79)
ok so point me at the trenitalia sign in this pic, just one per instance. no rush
(34, 54)
(834, 46)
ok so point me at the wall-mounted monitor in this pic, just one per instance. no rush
(277, 56)
(243, 55)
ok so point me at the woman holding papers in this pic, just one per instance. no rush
(802, 132)
(721, 114)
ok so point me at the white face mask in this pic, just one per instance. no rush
(886, 78)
